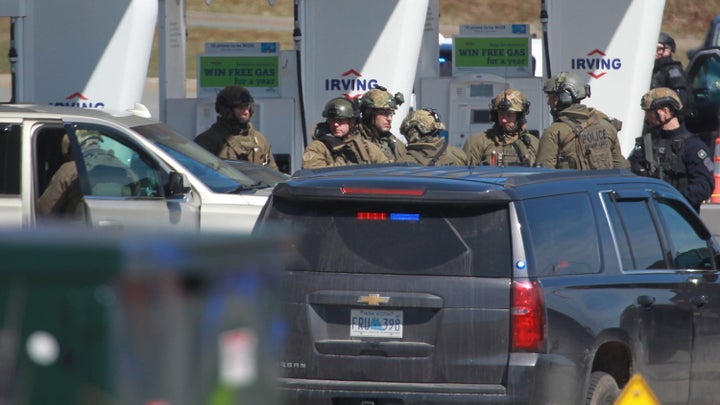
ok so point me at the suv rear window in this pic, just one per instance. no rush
(396, 238)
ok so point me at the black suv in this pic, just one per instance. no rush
(421, 285)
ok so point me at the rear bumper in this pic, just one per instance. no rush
(532, 379)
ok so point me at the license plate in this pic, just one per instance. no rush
(376, 323)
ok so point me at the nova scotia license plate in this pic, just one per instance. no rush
(376, 323)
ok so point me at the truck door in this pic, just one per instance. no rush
(121, 185)
(693, 250)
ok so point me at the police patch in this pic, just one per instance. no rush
(701, 154)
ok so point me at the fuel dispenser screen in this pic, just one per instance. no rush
(480, 117)
(481, 90)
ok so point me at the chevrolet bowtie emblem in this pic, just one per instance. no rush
(373, 299)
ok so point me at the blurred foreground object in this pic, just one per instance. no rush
(127, 319)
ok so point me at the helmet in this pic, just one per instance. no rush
(231, 97)
(379, 97)
(665, 39)
(660, 97)
(567, 87)
(341, 107)
(421, 123)
(513, 101)
(510, 100)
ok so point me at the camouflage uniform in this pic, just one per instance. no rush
(392, 147)
(328, 151)
(498, 147)
(62, 195)
(342, 149)
(229, 138)
(370, 102)
(421, 129)
(581, 137)
(495, 148)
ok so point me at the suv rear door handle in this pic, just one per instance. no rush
(646, 301)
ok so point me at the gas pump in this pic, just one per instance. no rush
(470, 98)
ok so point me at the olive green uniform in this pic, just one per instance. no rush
(62, 195)
(237, 142)
(434, 151)
(581, 138)
(329, 151)
(393, 148)
(491, 148)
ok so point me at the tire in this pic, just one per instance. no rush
(603, 389)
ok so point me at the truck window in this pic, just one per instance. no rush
(688, 249)
(10, 158)
(114, 168)
(395, 238)
(636, 234)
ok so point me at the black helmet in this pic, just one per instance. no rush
(667, 40)
(341, 107)
(231, 97)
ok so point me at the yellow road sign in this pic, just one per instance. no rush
(637, 392)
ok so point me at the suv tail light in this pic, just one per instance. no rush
(527, 316)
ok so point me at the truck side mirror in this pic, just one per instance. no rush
(176, 187)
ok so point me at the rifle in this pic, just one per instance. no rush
(648, 153)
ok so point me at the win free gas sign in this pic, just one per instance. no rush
(218, 71)
(253, 65)
(506, 56)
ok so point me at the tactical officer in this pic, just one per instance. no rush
(337, 142)
(421, 128)
(232, 136)
(62, 194)
(508, 142)
(670, 152)
(668, 72)
(580, 137)
(377, 107)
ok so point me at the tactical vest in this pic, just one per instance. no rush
(518, 153)
(351, 151)
(246, 147)
(592, 145)
(669, 165)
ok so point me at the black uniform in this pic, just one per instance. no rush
(670, 73)
(680, 158)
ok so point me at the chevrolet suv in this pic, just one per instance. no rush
(420, 285)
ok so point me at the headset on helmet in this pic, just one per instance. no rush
(510, 100)
(421, 123)
(660, 97)
(380, 98)
(567, 87)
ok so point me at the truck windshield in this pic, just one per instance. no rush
(218, 175)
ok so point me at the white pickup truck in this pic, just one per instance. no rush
(176, 184)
